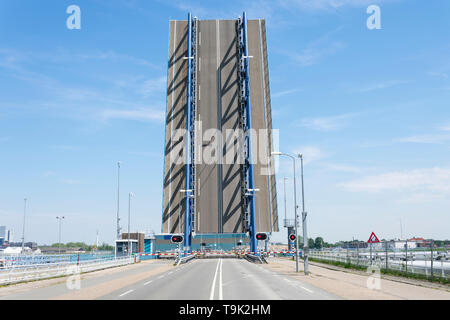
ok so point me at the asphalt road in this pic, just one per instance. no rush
(219, 279)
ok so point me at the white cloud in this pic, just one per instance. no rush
(71, 181)
(315, 5)
(436, 138)
(317, 50)
(154, 86)
(380, 85)
(440, 75)
(426, 138)
(312, 55)
(137, 115)
(426, 181)
(286, 92)
(327, 123)
(343, 168)
(66, 148)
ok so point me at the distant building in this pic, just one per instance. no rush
(420, 242)
(137, 243)
(2, 232)
(32, 245)
(57, 250)
(2, 235)
(401, 244)
(16, 250)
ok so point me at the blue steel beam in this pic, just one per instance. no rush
(189, 160)
(250, 189)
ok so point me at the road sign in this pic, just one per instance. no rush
(373, 238)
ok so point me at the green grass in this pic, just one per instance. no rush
(384, 271)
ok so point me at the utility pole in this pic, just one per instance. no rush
(23, 230)
(401, 229)
(285, 215)
(118, 196)
(59, 237)
(304, 214)
(129, 211)
(295, 211)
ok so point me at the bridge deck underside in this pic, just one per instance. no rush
(218, 196)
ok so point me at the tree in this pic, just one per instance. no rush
(300, 242)
(318, 243)
(311, 244)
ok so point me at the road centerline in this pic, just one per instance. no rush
(213, 287)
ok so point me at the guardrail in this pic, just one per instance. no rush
(253, 258)
(185, 259)
(10, 260)
(388, 261)
(45, 271)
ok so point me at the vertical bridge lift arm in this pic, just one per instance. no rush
(245, 105)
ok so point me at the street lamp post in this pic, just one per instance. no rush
(129, 210)
(59, 236)
(295, 204)
(23, 230)
(118, 189)
(285, 214)
(304, 214)
(305, 237)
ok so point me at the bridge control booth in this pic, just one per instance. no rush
(135, 244)
(122, 246)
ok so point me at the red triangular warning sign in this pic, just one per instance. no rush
(373, 238)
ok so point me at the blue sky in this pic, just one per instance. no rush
(369, 109)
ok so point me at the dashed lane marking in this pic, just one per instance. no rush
(129, 291)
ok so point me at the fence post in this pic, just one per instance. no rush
(347, 253)
(357, 251)
(406, 254)
(387, 257)
(431, 244)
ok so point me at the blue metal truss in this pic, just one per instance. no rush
(246, 122)
(190, 131)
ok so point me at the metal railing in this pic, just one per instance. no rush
(10, 260)
(408, 262)
(44, 271)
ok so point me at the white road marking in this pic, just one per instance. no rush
(310, 291)
(148, 282)
(160, 277)
(129, 291)
(213, 287)
(220, 281)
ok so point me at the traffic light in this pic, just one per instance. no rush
(292, 237)
(176, 238)
(261, 236)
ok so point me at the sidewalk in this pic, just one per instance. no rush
(353, 285)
